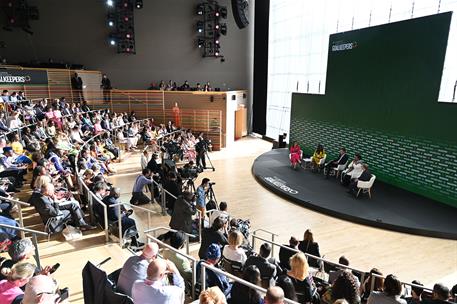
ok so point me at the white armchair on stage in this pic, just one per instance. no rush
(365, 187)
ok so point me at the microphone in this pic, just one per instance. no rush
(104, 261)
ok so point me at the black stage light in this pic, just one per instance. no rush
(200, 26)
(201, 43)
(200, 9)
(139, 4)
(221, 11)
(223, 29)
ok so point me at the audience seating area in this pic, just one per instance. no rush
(64, 152)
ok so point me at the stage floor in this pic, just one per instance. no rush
(390, 207)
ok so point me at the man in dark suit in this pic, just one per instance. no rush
(184, 209)
(106, 87)
(268, 270)
(364, 177)
(171, 185)
(440, 295)
(341, 160)
(48, 208)
(77, 86)
(285, 254)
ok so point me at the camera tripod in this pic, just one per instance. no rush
(212, 196)
(210, 162)
(189, 185)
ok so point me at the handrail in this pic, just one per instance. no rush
(191, 258)
(234, 278)
(34, 239)
(119, 217)
(403, 283)
(187, 235)
(19, 205)
(273, 235)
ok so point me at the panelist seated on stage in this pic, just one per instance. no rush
(365, 176)
(295, 154)
(353, 171)
(341, 160)
(319, 154)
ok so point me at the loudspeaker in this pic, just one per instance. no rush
(240, 12)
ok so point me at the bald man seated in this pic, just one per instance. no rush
(152, 290)
(41, 289)
(275, 295)
(135, 268)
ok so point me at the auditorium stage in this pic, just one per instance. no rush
(390, 207)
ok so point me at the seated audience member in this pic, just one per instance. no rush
(222, 213)
(318, 154)
(286, 284)
(354, 170)
(10, 234)
(274, 295)
(243, 294)
(184, 209)
(40, 289)
(138, 197)
(454, 294)
(390, 294)
(126, 221)
(20, 251)
(233, 252)
(341, 160)
(212, 295)
(285, 254)
(135, 268)
(440, 295)
(152, 289)
(213, 235)
(303, 283)
(144, 159)
(267, 269)
(344, 287)
(333, 275)
(212, 257)
(11, 168)
(364, 177)
(295, 154)
(177, 241)
(366, 286)
(310, 247)
(48, 208)
(416, 293)
(16, 278)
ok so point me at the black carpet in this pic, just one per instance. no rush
(390, 207)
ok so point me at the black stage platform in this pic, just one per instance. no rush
(390, 207)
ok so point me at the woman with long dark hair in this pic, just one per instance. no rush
(244, 294)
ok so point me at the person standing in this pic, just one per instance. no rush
(177, 115)
(106, 87)
(201, 147)
(77, 86)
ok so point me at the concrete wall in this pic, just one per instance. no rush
(76, 31)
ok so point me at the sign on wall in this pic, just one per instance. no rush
(23, 77)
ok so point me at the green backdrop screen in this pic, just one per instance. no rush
(382, 100)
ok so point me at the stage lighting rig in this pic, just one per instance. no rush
(120, 21)
(210, 28)
(18, 14)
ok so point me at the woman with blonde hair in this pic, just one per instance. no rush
(233, 251)
(16, 277)
(212, 295)
(303, 283)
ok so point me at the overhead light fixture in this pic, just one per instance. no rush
(110, 23)
(200, 9)
(112, 42)
(139, 4)
(109, 2)
(200, 26)
(223, 29)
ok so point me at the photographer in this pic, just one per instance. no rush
(201, 148)
(184, 209)
(171, 185)
(201, 196)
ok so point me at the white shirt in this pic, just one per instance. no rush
(214, 214)
(237, 255)
(144, 162)
(155, 292)
(356, 171)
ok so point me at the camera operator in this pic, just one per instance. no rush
(201, 196)
(172, 186)
(184, 209)
(201, 148)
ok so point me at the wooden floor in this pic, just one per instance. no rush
(409, 257)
